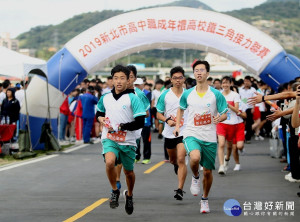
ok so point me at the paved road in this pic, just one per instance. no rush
(74, 183)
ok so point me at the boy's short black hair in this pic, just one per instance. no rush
(120, 68)
(248, 78)
(132, 68)
(217, 80)
(91, 89)
(176, 69)
(86, 81)
(5, 85)
(198, 62)
(159, 81)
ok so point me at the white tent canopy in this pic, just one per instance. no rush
(17, 65)
(14, 64)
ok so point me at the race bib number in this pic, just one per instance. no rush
(200, 120)
(117, 136)
(174, 119)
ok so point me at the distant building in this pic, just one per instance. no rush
(28, 52)
(9, 43)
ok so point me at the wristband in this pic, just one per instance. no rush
(166, 121)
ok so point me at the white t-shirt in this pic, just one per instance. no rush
(232, 117)
(168, 104)
(201, 111)
(123, 110)
(246, 94)
(155, 95)
(2, 97)
(20, 96)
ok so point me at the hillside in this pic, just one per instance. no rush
(278, 18)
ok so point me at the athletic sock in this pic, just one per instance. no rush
(197, 176)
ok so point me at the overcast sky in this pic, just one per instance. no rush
(18, 16)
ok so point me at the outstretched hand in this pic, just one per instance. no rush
(274, 115)
(255, 99)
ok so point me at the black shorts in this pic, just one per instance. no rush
(172, 143)
(153, 112)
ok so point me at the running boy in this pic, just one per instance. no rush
(167, 107)
(206, 108)
(122, 113)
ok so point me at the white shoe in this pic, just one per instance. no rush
(63, 142)
(237, 167)
(221, 170)
(195, 186)
(78, 142)
(261, 138)
(204, 207)
(256, 138)
(73, 139)
(97, 140)
(287, 176)
(294, 180)
(201, 168)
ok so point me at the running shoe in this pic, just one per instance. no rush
(146, 161)
(175, 168)
(128, 203)
(221, 170)
(136, 161)
(204, 207)
(290, 178)
(287, 176)
(195, 186)
(160, 136)
(237, 167)
(179, 194)
(114, 199)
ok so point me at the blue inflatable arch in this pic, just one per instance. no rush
(159, 28)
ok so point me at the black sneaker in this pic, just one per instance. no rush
(179, 194)
(160, 136)
(176, 168)
(128, 203)
(114, 199)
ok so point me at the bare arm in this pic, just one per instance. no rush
(178, 119)
(279, 113)
(217, 119)
(295, 116)
(234, 108)
(161, 117)
(258, 98)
